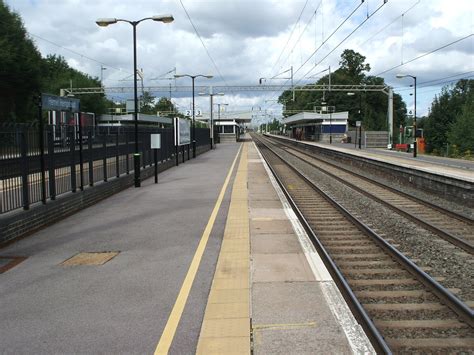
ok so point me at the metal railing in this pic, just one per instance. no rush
(72, 160)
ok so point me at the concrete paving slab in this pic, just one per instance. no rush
(297, 341)
(274, 244)
(280, 267)
(253, 203)
(304, 306)
(272, 213)
(270, 227)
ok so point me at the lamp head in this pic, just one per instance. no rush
(350, 93)
(208, 76)
(104, 22)
(163, 18)
(178, 75)
(399, 76)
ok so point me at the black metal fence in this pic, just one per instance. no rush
(72, 160)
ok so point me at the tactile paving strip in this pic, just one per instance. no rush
(226, 325)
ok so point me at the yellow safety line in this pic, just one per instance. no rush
(177, 311)
(226, 325)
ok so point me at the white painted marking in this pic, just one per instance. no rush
(355, 335)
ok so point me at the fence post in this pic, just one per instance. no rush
(117, 154)
(41, 144)
(104, 160)
(127, 166)
(81, 157)
(91, 157)
(24, 169)
(72, 145)
(51, 164)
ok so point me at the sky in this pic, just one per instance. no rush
(241, 41)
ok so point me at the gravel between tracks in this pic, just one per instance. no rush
(437, 257)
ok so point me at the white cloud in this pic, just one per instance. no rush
(246, 38)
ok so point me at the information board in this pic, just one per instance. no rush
(155, 140)
(182, 131)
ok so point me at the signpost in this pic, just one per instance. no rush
(358, 124)
(155, 140)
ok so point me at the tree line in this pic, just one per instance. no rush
(449, 126)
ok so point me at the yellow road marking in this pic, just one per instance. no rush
(177, 311)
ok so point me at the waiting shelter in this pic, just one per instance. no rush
(317, 126)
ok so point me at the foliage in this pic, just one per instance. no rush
(450, 121)
(461, 133)
(369, 107)
(24, 74)
(59, 75)
(20, 68)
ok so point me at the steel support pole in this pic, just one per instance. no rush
(414, 123)
(390, 116)
(194, 123)
(136, 156)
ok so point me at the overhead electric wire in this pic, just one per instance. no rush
(395, 19)
(289, 37)
(324, 42)
(341, 42)
(304, 30)
(77, 53)
(202, 42)
(430, 82)
(425, 54)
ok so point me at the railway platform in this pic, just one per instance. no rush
(209, 260)
(455, 168)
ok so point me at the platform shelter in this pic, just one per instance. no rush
(317, 126)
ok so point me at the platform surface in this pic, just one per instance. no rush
(209, 260)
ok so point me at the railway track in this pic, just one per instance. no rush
(450, 226)
(400, 307)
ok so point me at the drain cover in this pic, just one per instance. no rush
(94, 258)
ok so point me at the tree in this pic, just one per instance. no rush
(353, 66)
(20, 69)
(445, 110)
(461, 133)
(59, 75)
(369, 107)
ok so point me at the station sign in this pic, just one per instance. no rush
(59, 103)
(358, 123)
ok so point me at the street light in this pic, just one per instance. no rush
(399, 76)
(211, 126)
(104, 22)
(194, 125)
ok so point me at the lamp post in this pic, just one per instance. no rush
(194, 125)
(211, 126)
(104, 22)
(399, 76)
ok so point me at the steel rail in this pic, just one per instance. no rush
(359, 312)
(458, 216)
(442, 233)
(460, 308)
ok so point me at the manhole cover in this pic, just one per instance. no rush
(95, 258)
(7, 262)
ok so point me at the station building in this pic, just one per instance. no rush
(229, 127)
(317, 126)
